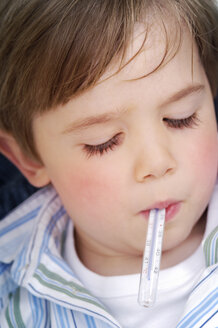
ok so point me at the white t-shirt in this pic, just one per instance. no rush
(119, 293)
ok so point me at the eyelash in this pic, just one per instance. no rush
(188, 122)
(92, 150)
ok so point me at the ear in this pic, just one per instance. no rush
(34, 171)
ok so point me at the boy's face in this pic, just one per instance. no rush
(128, 145)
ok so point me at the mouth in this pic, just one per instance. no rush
(171, 207)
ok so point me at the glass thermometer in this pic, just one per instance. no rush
(151, 259)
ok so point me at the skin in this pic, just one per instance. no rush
(151, 160)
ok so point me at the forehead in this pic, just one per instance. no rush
(158, 57)
(156, 41)
(115, 88)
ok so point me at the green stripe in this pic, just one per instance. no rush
(76, 288)
(17, 312)
(208, 246)
(8, 318)
(207, 250)
(54, 276)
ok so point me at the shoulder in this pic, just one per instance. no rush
(22, 236)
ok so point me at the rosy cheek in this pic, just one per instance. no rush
(205, 159)
(90, 188)
(209, 153)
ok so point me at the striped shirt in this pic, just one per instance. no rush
(39, 289)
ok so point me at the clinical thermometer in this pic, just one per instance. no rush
(151, 259)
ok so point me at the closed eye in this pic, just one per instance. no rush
(103, 148)
(187, 122)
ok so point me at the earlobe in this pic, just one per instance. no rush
(34, 171)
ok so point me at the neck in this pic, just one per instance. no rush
(107, 263)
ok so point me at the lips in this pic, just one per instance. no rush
(172, 208)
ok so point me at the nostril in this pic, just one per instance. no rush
(147, 168)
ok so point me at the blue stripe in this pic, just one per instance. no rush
(38, 303)
(93, 322)
(59, 261)
(90, 322)
(57, 321)
(45, 210)
(204, 312)
(66, 311)
(209, 274)
(52, 224)
(188, 319)
(20, 261)
(47, 311)
(32, 304)
(60, 317)
(74, 320)
(20, 221)
(40, 312)
(208, 319)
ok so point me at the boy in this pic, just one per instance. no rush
(110, 105)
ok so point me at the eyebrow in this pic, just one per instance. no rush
(113, 115)
(187, 91)
(94, 120)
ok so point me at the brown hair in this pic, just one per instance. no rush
(50, 50)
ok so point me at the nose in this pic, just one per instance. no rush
(154, 159)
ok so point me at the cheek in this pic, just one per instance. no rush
(91, 187)
(203, 161)
(89, 190)
(205, 156)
